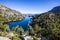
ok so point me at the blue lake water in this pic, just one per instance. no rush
(23, 23)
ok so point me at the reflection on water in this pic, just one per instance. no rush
(23, 23)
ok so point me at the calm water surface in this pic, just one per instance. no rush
(23, 23)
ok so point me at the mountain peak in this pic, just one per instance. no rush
(1, 5)
(6, 10)
(55, 9)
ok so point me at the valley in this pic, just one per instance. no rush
(17, 26)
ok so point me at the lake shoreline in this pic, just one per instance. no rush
(12, 21)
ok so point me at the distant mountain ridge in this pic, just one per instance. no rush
(55, 9)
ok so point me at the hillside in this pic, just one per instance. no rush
(55, 9)
(48, 24)
(7, 14)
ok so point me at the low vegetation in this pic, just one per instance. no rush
(47, 25)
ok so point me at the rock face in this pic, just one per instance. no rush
(26, 37)
(12, 15)
(4, 38)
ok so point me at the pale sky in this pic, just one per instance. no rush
(31, 6)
